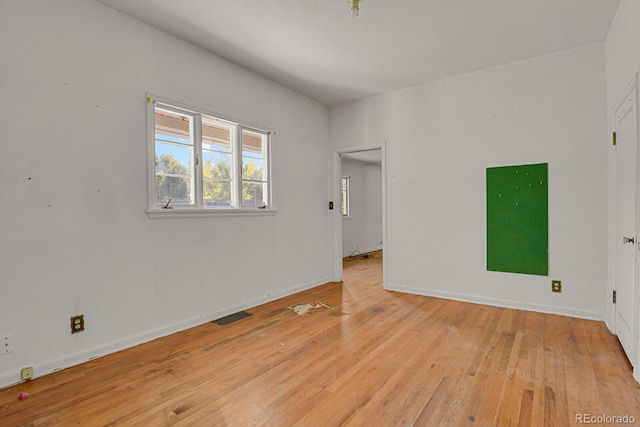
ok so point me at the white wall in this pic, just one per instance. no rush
(362, 230)
(75, 237)
(622, 62)
(441, 137)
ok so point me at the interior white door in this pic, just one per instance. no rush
(626, 208)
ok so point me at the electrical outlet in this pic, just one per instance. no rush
(556, 286)
(77, 323)
(6, 344)
(26, 373)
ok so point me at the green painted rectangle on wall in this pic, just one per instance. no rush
(518, 219)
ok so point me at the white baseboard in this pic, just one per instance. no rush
(609, 322)
(9, 379)
(518, 305)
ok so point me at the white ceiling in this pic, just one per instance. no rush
(370, 156)
(317, 49)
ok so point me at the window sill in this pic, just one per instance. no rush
(207, 213)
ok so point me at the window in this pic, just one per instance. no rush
(174, 154)
(203, 163)
(254, 177)
(344, 192)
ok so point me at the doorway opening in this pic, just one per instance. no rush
(360, 215)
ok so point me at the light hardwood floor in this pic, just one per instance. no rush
(366, 357)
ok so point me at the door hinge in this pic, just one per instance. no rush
(614, 297)
(614, 138)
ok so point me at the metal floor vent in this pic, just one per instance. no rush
(232, 318)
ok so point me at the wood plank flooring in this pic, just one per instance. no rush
(365, 357)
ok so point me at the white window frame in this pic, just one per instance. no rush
(197, 208)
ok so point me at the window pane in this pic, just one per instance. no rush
(253, 155)
(216, 136)
(217, 193)
(344, 192)
(216, 165)
(173, 159)
(253, 194)
(344, 203)
(171, 138)
(174, 153)
(176, 190)
(254, 168)
(173, 126)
